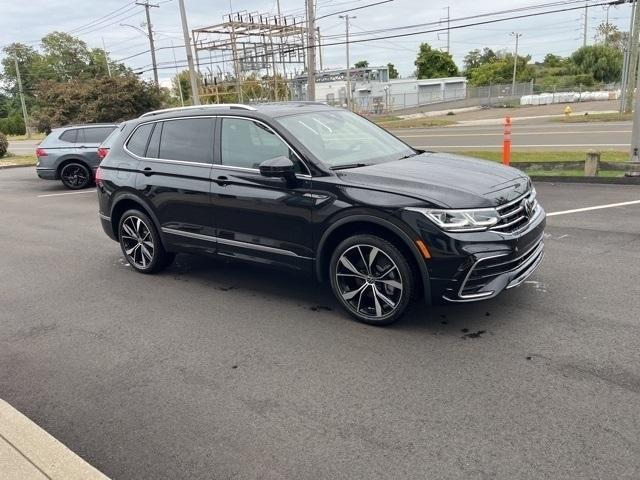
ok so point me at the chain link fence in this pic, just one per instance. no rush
(439, 99)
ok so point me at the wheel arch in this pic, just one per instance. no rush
(72, 159)
(126, 201)
(363, 223)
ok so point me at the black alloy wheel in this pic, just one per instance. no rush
(372, 279)
(75, 176)
(141, 244)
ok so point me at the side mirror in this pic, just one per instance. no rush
(278, 167)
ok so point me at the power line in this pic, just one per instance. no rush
(97, 20)
(453, 27)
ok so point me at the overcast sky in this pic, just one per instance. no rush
(560, 33)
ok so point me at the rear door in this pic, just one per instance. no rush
(174, 178)
(88, 141)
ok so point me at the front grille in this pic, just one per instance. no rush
(487, 269)
(516, 214)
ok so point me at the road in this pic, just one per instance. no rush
(226, 371)
(23, 147)
(525, 136)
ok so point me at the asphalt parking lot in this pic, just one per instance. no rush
(214, 370)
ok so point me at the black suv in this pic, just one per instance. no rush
(318, 189)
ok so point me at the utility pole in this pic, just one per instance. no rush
(24, 105)
(175, 62)
(515, 63)
(625, 65)
(632, 67)
(147, 6)
(311, 46)
(586, 22)
(195, 95)
(346, 20)
(106, 57)
(448, 29)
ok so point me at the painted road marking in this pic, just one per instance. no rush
(597, 207)
(66, 193)
(566, 145)
(515, 134)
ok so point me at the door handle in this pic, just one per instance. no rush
(222, 180)
(147, 171)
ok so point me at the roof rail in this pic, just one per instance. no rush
(238, 106)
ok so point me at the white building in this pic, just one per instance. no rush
(372, 91)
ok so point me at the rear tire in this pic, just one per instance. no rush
(372, 279)
(141, 244)
(75, 176)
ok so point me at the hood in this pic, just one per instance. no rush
(443, 180)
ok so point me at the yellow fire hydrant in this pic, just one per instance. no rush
(567, 111)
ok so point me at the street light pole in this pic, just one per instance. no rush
(515, 63)
(346, 19)
(195, 95)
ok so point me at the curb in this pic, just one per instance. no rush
(2, 167)
(592, 180)
(29, 452)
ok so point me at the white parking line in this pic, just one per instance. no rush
(597, 207)
(66, 193)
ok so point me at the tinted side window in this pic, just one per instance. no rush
(247, 144)
(97, 134)
(138, 142)
(189, 139)
(69, 136)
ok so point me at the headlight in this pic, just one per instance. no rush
(461, 220)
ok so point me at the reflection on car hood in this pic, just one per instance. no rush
(444, 180)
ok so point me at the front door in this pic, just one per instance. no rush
(267, 220)
(175, 178)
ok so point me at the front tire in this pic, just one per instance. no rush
(141, 244)
(75, 176)
(372, 279)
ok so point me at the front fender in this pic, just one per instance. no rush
(388, 223)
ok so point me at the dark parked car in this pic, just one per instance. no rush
(317, 189)
(71, 154)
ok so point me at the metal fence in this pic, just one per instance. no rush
(439, 99)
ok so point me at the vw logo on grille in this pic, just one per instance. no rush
(528, 206)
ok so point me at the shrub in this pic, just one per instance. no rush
(4, 144)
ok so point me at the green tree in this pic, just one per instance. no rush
(434, 63)
(94, 100)
(501, 71)
(4, 145)
(32, 69)
(604, 62)
(477, 57)
(552, 61)
(362, 64)
(393, 73)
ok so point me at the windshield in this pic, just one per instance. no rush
(344, 139)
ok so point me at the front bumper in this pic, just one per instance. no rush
(466, 267)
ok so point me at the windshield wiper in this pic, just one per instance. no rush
(349, 165)
(409, 155)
